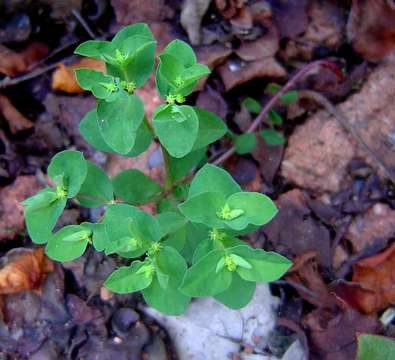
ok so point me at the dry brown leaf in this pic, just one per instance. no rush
(229, 8)
(13, 63)
(63, 78)
(371, 28)
(16, 120)
(23, 269)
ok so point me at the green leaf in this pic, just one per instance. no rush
(102, 86)
(69, 243)
(252, 105)
(99, 239)
(90, 131)
(202, 279)
(374, 347)
(177, 239)
(182, 166)
(170, 222)
(71, 166)
(258, 209)
(43, 198)
(129, 279)
(97, 188)
(141, 29)
(211, 178)
(266, 266)
(135, 187)
(40, 220)
(177, 129)
(96, 49)
(245, 143)
(182, 51)
(275, 117)
(272, 89)
(203, 208)
(194, 235)
(119, 120)
(272, 137)
(289, 97)
(168, 300)
(239, 293)
(211, 128)
(169, 69)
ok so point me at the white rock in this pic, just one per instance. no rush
(209, 330)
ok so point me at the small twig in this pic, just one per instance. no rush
(262, 115)
(345, 123)
(84, 24)
(14, 81)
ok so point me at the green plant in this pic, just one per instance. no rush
(196, 224)
(375, 347)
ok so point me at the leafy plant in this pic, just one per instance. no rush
(190, 248)
(374, 347)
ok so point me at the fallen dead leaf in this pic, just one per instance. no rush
(212, 55)
(191, 17)
(13, 63)
(16, 121)
(23, 269)
(234, 72)
(295, 230)
(212, 100)
(63, 78)
(11, 209)
(371, 28)
(372, 286)
(229, 8)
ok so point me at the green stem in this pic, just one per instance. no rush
(168, 180)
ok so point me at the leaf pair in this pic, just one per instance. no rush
(230, 274)
(216, 200)
(158, 277)
(178, 70)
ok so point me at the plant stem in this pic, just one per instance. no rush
(166, 160)
(262, 115)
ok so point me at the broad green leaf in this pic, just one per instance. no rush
(203, 208)
(375, 347)
(132, 30)
(169, 69)
(90, 131)
(119, 120)
(194, 235)
(70, 165)
(43, 198)
(211, 178)
(239, 293)
(202, 279)
(211, 128)
(69, 243)
(135, 187)
(182, 51)
(266, 266)
(245, 143)
(129, 279)
(97, 188)
(272, 137)
(252, 105)
(102, 86)
(177, 239)
(182, 166)
(258, 209)
(96, 49)
(290, 97)
(40, 220)
(170, 221)
(177, 129)
(100, 239)
(275, 117)
(168, 300)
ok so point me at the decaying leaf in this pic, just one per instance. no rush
(229, 8)
(13, 63)
(16, 121)
(372, 286)
(63, 78)
(23, 269)
(371, 28)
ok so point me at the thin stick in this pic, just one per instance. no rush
(84, 24)
(262, 115)
(345, 123)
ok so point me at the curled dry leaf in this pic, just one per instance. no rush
(372, 286)
(23, 269)
(229, 8)
(13, 63)
(63, 78)
(16, 121)
(371, 28)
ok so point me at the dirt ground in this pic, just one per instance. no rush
(332, 179)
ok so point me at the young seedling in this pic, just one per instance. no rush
(190, 248)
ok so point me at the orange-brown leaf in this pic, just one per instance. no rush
(63, 78)
(16, 120)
